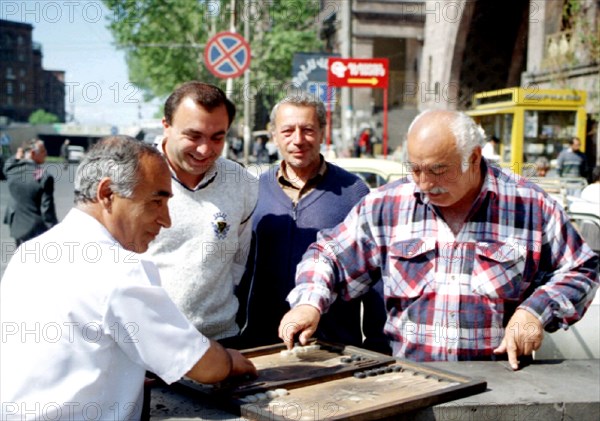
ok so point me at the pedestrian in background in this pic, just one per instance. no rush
(571, 161)
(364, 143)
(542, 166)
(4, 153)
(591, 192)
(490, 149)
(10, 211)
(32, 193)
(261, 153)
(272, 150)
(64, 152)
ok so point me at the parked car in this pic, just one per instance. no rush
(373, 171)
(75, 154)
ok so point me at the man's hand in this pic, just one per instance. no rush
(302, 319)
(523, 335)
(218, 363)
(241, 365)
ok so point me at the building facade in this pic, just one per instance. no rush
(392, 29)
(443, 52)
(564, 45)
(24, 85)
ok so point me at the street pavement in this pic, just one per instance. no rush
(63, 199)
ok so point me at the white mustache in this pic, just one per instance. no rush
(437, 190)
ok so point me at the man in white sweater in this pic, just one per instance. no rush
(202, 257)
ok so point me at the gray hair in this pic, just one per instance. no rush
(115, 157)
(32, 145)
(467, 133)
(542, 162)
(302, 99)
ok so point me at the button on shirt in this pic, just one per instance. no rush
(449, 296)
(291, 189)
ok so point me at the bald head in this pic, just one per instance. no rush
(467, 134)
(445, 155)
(426, 117)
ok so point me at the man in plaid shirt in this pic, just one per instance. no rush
(476, 261)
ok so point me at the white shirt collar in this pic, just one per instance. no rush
(94, 228)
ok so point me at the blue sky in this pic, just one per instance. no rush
(75, 39)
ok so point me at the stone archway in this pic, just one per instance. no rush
(490, 48)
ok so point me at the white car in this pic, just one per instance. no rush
(75, 154)
(373, 171)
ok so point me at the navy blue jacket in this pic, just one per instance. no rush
(281, 233)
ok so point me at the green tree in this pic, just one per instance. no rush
(42, 117)
(585, 30)
(164, 40)
(575, 47)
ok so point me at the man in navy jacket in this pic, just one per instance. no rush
(297, 199)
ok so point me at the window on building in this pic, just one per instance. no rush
(9, 73)
(5, 41)
(547, 132)
(9, 88)
(22, 87)
(500, 125)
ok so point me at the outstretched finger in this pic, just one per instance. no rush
(512, 352)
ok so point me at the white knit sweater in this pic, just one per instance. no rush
(203, 255)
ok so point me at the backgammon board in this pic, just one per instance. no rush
(325, 381)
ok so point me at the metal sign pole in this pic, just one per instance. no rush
(328, 117)
(247, 128)
(385, 121)
(229, 83)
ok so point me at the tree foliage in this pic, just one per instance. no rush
(576, 45)
(164, 39)
(41, 116)
(586, 30)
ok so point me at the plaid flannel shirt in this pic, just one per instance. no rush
(449, 297)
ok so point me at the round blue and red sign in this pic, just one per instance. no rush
(227, 55)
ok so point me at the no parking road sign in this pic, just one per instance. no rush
(227, 55)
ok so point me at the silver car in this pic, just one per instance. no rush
(75, 154)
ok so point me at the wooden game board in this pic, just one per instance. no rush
(332, 382)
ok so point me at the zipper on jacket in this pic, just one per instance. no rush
(294, 207)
